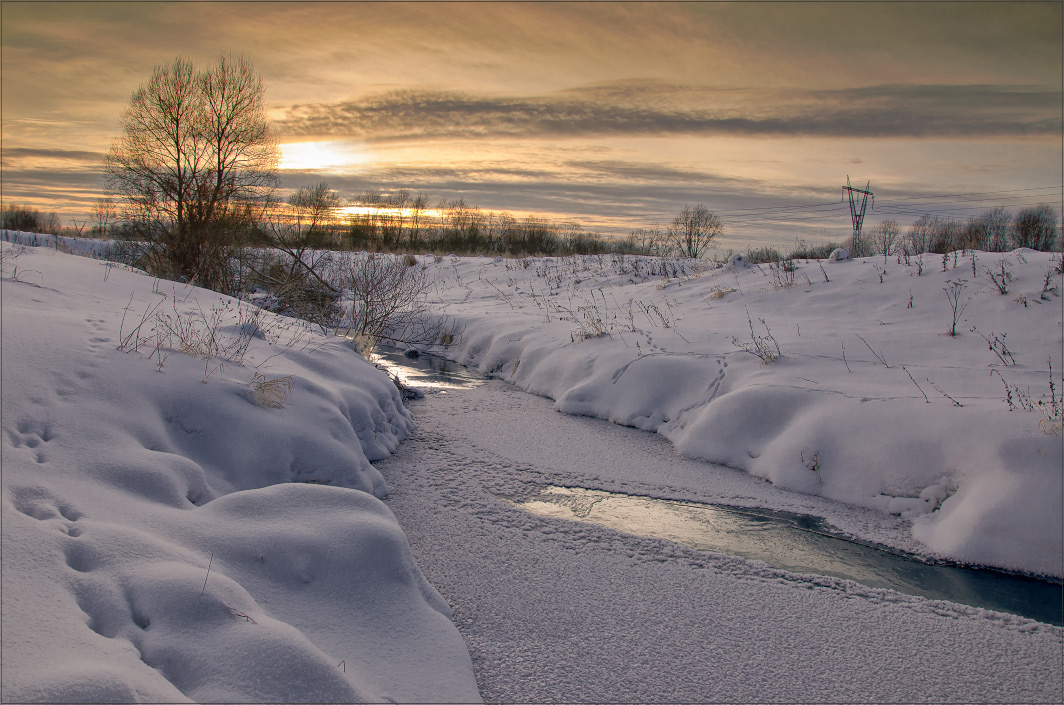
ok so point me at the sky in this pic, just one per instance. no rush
(611, 115)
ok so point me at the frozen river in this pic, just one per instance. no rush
(554, 609)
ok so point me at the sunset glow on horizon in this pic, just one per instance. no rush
(754, 109)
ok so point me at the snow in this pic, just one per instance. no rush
(565, 611)
(869, 401)
(169, 536)
(180, 528)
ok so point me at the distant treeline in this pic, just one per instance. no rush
(29, 220)
(402, 222)
(996, 230)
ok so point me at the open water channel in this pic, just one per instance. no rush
(793, 542)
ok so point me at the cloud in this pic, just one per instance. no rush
(25, 156)
(605, 195)
(661, 108)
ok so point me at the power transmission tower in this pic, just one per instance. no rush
(857, 212)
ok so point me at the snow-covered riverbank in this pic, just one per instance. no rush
(858, 393)
(168, 534)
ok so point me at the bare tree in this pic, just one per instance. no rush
(920, 231)
(466, 219)
(295, 264)
(693, 230)
(195, 165)
(929, 233)
(649, 241)
(104, 215)
(301, 223)
(400, 202)
(1035, 227)
(312, 209)
(885, 237)
(53, 225)
(418, 207)
(988, 231)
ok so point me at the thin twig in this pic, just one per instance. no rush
(878, 356)
(208, 574)
(939, 390)
(917, 385)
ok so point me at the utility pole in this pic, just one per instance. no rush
(857, 212)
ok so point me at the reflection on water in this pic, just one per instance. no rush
(426, 373)
(800, 544)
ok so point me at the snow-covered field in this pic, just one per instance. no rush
(869, 402)
(196, 517)
(168, 535)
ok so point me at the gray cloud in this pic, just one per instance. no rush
(17, 156)
(610, 196)
(659, 108)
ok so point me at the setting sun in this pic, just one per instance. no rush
(335, 155)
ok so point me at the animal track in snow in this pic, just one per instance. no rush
(80, 557)
(39, 503)
(32, 435)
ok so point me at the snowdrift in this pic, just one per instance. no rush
(837, 378)
(177, 529)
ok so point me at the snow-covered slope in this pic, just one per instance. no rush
(870, 402)
(169, 535)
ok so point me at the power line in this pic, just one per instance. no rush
(974, 193)
(778, 208)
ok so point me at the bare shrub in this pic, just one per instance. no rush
(388, 302)
(22, 218)
(9, 255)
(957, 301)
(295, 266)
(270, 393)
(803, 251)
(590, 323)
(764, 347)
(104, 215)
(221, 333)
(1051, 406)
(919, 235)
(1001, 278)
(764, 255)
(782, 274)
(294, 289)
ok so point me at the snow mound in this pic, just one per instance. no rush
(172, 535)
(738, 261)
